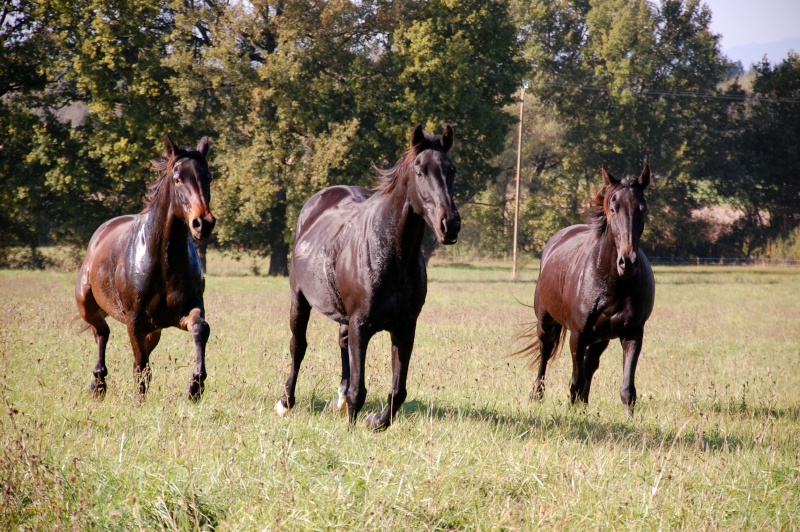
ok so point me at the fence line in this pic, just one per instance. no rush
(454, 253)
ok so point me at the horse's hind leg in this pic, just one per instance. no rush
(298, 323)
(195, 323)
(340, 402)
(548, 333)
(577, 346)
(402, 345)
(591, 361)
(92, 314)
(101, 333)
(358, 339)
(140, 341)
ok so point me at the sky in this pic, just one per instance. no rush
(749, 22)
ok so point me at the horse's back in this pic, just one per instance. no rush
(330, 208)
(563, 245)
(317, 242)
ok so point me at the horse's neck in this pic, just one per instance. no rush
(166, 235)
(605, 255)
(401, 226)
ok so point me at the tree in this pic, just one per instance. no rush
(311, 93)
(769, 154)
(65, 176)
(630, 80)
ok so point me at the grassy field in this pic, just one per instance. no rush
(714, 444)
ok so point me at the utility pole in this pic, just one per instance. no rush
(514, 271)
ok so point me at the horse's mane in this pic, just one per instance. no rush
(389, 177)
(598, 214)
(164, 167)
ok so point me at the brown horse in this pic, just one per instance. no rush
(143, 269)
(595, 282)
(357, 260)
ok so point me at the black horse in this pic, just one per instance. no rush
(143, 269)
(595, 282)
(357, 260)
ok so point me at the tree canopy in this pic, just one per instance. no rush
(298, 95)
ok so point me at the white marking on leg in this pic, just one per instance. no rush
(280, 409)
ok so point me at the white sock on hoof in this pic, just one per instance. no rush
(341, 405)
(280, 409)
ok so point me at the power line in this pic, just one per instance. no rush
(676, 94)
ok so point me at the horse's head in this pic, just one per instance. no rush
(432, 191)
(191, 186)
(625, 210)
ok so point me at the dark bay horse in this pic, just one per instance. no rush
(143, 269)
(595, 282)
(357, 260)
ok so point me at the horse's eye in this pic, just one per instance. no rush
(176, 178)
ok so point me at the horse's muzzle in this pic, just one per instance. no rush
(450, 227)
(202, 226)
(627, 263)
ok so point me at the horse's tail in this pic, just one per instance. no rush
(533, 349)
(81, 328)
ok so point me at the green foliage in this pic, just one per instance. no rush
(299, 95)
(619, 76)
(304, 95)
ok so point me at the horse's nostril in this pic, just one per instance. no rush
(197, 224)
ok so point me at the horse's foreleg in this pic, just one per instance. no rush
(591, 362)
(631, 347)
(299, 314)
(339, 402)
(359, 337)
(402, 345)
(196, 324)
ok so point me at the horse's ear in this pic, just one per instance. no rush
(644, 179)
(202, 146)
(169, 147)
(608, 179)
(417, 136)
(447, 138)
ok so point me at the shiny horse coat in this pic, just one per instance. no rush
(597, 284)
(357, 259)
(143, 269)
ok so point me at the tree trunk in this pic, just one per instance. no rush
(279, 259)
(279, 256)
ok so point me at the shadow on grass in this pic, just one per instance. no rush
(578, 424)
(588, 428)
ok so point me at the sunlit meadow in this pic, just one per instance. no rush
(714, 443)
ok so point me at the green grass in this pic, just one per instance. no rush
(714, 442)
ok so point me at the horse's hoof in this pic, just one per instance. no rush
(536, 395)
(375, 424)
(339, 405)
(194, 391)
(280, 409)
(629, 411)
(97, 389)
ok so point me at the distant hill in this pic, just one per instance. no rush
(775, 51)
